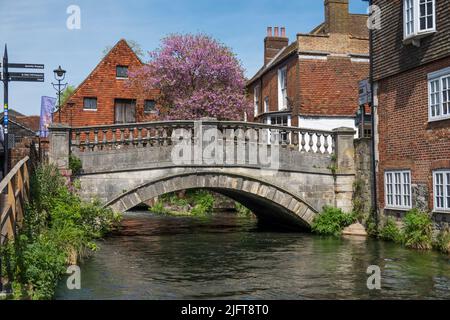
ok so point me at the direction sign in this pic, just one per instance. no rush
(29, 79)
(26, 65)
(26, 76)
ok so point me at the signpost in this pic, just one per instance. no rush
(7, 77)
(15, 76)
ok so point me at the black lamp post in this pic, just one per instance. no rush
(60, 74)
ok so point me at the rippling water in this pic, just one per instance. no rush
(224, 256)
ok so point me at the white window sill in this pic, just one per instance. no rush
(415, 39)
(435, 119)
(441, 211)
(91, 110)
(397, 208)
(121, 78)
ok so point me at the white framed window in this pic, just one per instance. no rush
(441, 187)
(256, 94)
(282, 89)
(439, 95)
(90, 104)
(419, 17)
(397, 186)
(266, 104)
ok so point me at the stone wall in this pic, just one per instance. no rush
(363, 176)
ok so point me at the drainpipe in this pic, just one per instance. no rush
(371, 79)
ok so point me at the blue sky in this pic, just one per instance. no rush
(36, 32)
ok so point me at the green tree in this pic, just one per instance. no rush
(66, 94)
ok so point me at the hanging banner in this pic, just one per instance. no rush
(47, 107)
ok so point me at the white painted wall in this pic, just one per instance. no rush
(326, 123)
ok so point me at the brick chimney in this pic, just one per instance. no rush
(337, 17)
(275, 41)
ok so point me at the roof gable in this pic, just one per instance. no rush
(123, 46)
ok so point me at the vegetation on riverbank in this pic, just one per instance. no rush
(58, 229)
(331, 221)
(416, 232)
(192, 202)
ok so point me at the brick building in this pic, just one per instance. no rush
(104, 97)
(313, 82)
(412, 74)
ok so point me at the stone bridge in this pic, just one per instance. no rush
(283, 174)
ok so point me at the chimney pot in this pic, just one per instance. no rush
(283, 32)
(269, 31)
(276, 32)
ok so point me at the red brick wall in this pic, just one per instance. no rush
(103, 85)
(270, 86)
(406, 139)
(330, 87)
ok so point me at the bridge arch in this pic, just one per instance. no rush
(269, 201)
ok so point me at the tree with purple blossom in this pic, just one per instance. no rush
(197, 77)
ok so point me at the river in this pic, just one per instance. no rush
(227, 257)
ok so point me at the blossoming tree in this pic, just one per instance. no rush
(197, 77)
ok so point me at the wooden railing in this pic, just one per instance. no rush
(93, 138)
(14, 193)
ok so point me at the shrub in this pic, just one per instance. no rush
(58, 228)
(242, 210)
(442, 242)
(332, 221)
(390, 231)
(204, 200)
(44, 263)
(75, 165)
(417, 230)
(159, 208)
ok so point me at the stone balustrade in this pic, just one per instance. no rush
(93, 138)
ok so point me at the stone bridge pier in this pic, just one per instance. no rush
(283, 174)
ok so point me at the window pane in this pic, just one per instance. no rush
(90, 103)
(448, 191)
(439, 188)
(435, 98)
(150, 106)
(446, 96)
(122, 72)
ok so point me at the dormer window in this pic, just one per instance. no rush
(122, 72)
(419, 18)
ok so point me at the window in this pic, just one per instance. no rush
(281, 120)
(256, 94)
(441, 186)
(122, 72)
(282, 89)
(398, 189)
(125, 111)
(150, 106)
(90, 104)
(419, 17)
(439, 95)
(266, 104)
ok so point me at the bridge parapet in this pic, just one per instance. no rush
(93, 138)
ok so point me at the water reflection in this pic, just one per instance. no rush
(224, 256)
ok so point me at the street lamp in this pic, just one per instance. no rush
(60, 74)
